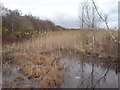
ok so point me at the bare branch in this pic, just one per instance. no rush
(105, 21)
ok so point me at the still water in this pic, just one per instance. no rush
(83, 72)
(79, 72)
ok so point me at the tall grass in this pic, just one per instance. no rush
(28, 55)
(76, 40)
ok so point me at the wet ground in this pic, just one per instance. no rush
(78, 72)
(11, 74)
(30, 71)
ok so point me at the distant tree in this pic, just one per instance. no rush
(13, 20)
(88, 20)
(87, 16)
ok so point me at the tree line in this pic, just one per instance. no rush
(13, 20)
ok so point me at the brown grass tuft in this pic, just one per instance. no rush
(51, 79)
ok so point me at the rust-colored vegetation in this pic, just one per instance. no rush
(36, 66)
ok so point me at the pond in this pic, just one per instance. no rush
(85, 72)
(79, 72)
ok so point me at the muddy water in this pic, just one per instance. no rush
(83, 72)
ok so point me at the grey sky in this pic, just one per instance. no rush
(62, 12)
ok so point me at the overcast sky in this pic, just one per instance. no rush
(62, 12)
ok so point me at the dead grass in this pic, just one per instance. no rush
(6, 71)
(37, 66)
(74, 40)
(51, 79)
(34, 63)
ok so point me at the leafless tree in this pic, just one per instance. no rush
(87, 15)
(104, 19)
(13, 20)
(88, 19)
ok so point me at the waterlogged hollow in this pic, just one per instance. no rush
(84, 72)
(79, 72)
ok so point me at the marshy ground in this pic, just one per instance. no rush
(57, 58)
(31, 70)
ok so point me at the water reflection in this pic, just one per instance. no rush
(85, 73)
